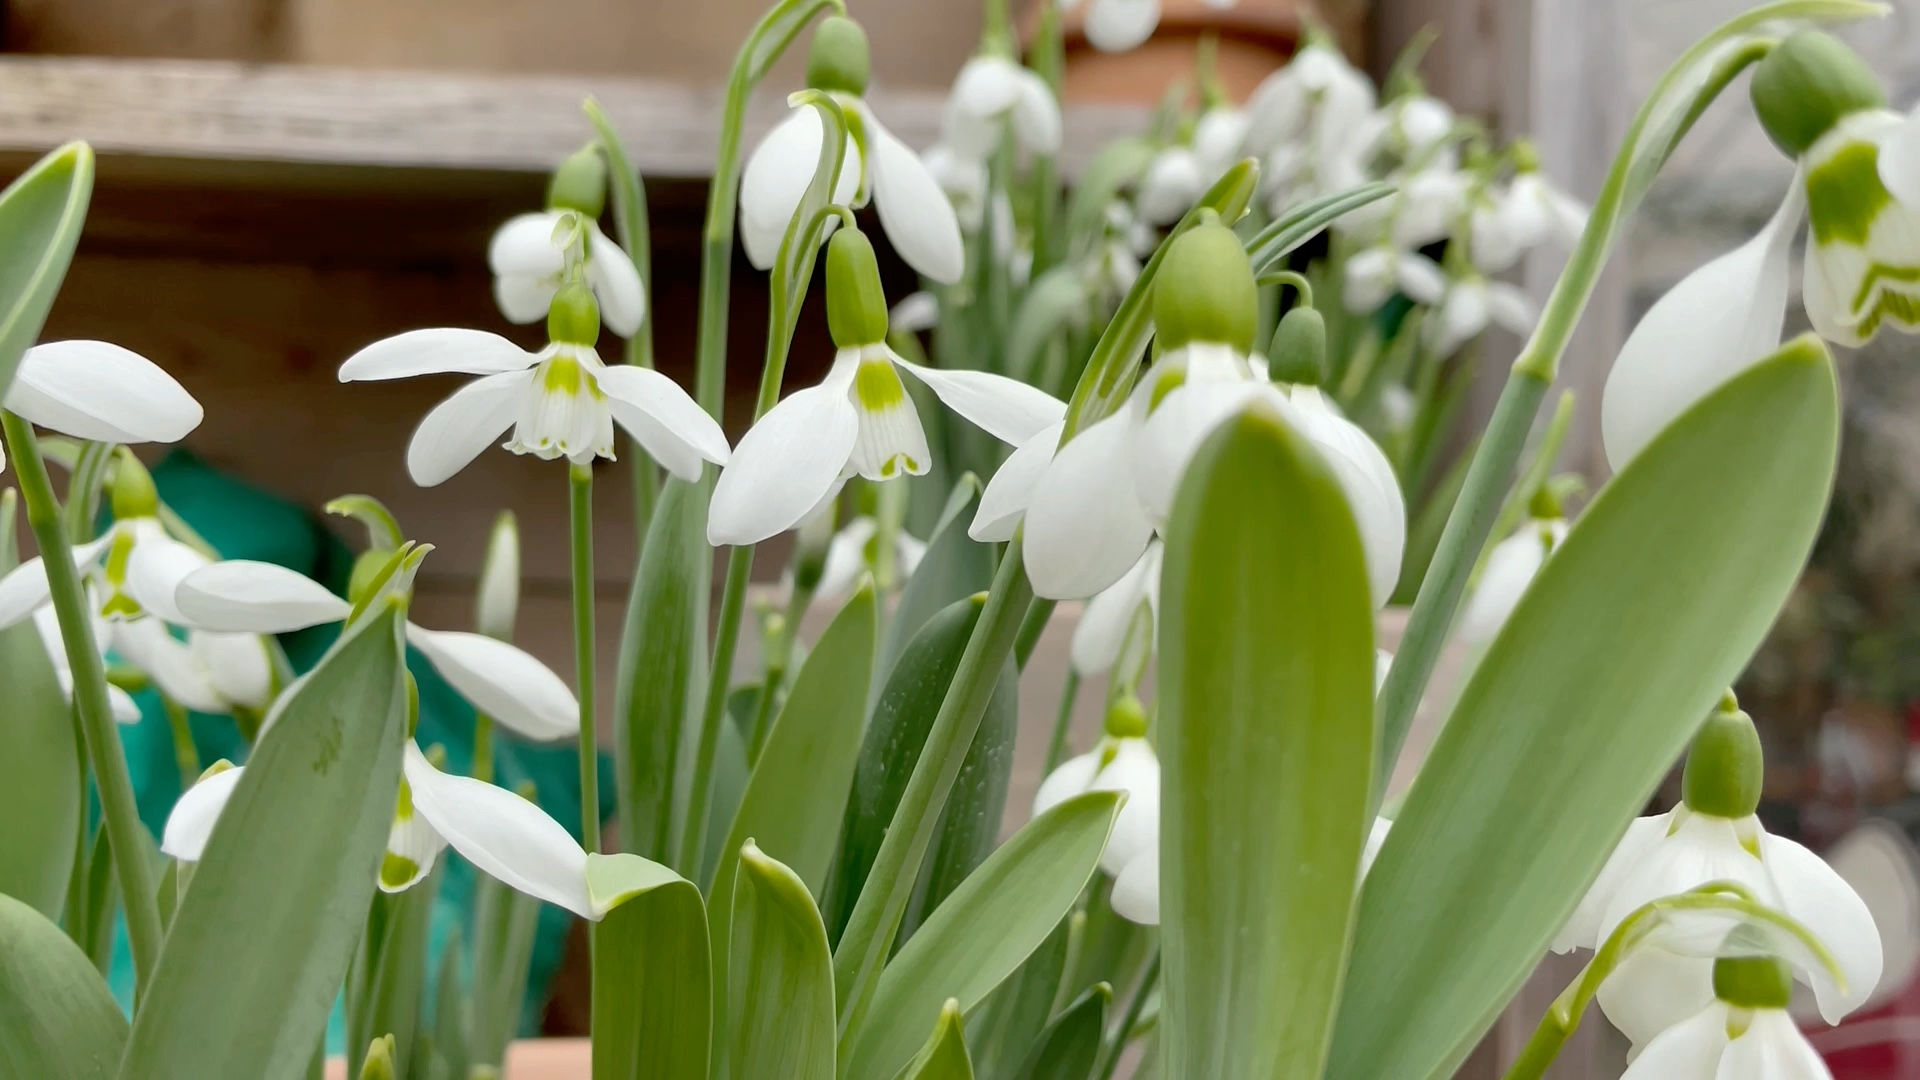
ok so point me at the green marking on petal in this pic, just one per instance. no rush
(1876, 301)
(1845, 195)
(403, 803)
(398, 871)
(876, 386)
(561, 375)
(1166, 379)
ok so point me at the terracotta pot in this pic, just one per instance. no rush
(1255, 36)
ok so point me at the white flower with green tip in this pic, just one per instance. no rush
(125, 710)
(1741, 1032)
(1511, 567)
(851, 553)
(528, 256)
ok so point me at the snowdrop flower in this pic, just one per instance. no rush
(1742, 1032)
(1121, 25)
(1413, 125)
(99, 391)
(561, 402)
(209, 672)
(1095, 507)
(917, 313)
(914, 209)
(964, 180)
(1713, 835)
(1471, 304)
(1533, 211)
(1169, 187)
(859, 421)
(499, 679)
(532, 255)
(1510, 568)
(125, 710)
(1120, 763)
(991, 90)
(1110, 615)
(1318, 97)
(851, 553)
(1374, 275)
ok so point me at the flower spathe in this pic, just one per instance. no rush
(499, 679)
(858, 421)
(561, 402)
(528, 257)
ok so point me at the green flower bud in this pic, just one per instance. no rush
(580, 183)
(1806, 85)
(856, 304)
(1127, 718)
(1299, 351)
(1753, 982)
(379, 1061)
(1204, 290)
(134, 495)
(1725, 765)
(574, 317)
(840, 61)
(497, 602)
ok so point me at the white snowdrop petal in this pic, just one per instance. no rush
(1510, 568)
(616, 284)
(1690, 1050)
(918, 311)
(241, 595)
(1900, 160)
(524, 247)
(1367, 478)
(1176, 428)
(501, 680)
(236, 665)
(502, 834)
(459, 428)
(1653, 989)
(412, 849)
(1085, 526)
(1773, 1048)
(523, 298)
(1036, 114)
(1510, 308)
(1582, 930)
(1701, 848)
(670, 419)
(1005, 500)
(1822, 901)
(1420, 278)
(445, 350)
(23, 591)
(776, 178)
(786, 463)
(99, 391)
(191, 821)
(986, 86)
(169, 662)
(1171, 185)
(155, 568)
(1072, 777)
(918, 219)
(1717, 322)
(1007, 409)
(1120, 25)
(1136, 891)
(1111, 613)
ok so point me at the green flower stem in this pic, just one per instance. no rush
(1031, 628)
(869, 935)
(1548, 1038)
(185, 754)
(483, 747)
(632, 226)
(1117, 1044)
(1048, 60)
(580, 515)
(120, 816)
(1062, 722)
(1642, 153)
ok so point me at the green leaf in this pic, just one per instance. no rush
(970, 824)
(893, 742)
(58, 1020)
(39, 761)
(393, 971)
(451, 1040)
(1067, 1048)
(985, 930)
(1266, 747)
(1056, 301)
(780, 1007)
(652, 997)
(1008, 1023)
(41, 214)
(1643, 617)
(954, 567)
(1118, 164)
(944, 1056)
(1270, 247)
(662, 650)
(728, 787)
(798, 791)
(262, 940)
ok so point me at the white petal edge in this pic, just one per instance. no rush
(444, 350)
(1007, 409)
(241, 595)
(99, 391)
(155, 568)
(1085, 526)
(1136, 891)
(616, 284)
(24, 589)
(667, 421)
(194, 814)
(1582, 930)
(1900, 160)
(1005, 500)
(1071, 777)
(1822, 901)
(786, 463)
(1120, 25)
(1690, 1050)
(501, 680)
(918, 219)
(523, 246)
(459, 428)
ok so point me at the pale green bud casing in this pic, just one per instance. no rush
(1126, 718)
(1753, 982)
(840, 60)
(856, 304)
(1725, 766)
(379, 1061)
(497, 603)
(1299, 351)
(1806, 85)
(580, 183)
(134, 495)
(1205, 290)
(574, 317)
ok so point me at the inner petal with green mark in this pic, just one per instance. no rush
(891, 441)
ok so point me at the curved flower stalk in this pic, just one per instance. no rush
(1510, 568)
(859, 420)
(499, 679)
(561, 401)
(1713, 836)
(913, 207)
(100, 391)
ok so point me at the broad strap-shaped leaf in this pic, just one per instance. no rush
(797, 792)
(1266, 747)
(652, 995)
(954, 567)
(39, 762)
(780, 1000)
(262, 940)
(662, 653)
(1008, 1023)
(944, 1055)
(970, 825)
(1591, 691)
(984, 931)
(41, 214)
(58, 1020)
(1066, 1050)
(388, 978)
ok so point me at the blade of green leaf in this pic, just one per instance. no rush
(780, 1007)
(58, 1020)
(944, 1055)
(729, 786)
(1118, 164)
(1067, 1048)
(1016, 1012)
(954, 567)
(985, 930)
(652, 998)
(39, 761)
(261, 942)
(1266, 747)
(41, 214)
(452, 1015)
(970, 824)
(1297, 226)
(661, 654)
(1056, 300)
(396, 982)
(1642, 618)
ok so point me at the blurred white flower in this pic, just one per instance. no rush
(528, 256)
(990, 91)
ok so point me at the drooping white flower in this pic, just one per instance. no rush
(131, 571)
(561, 402)
(1470, 305)
(499, 679)
(851, 553)
(990, 91)
(1169, 187)
(125, 710)
(1413, 125)
(209, 672)
(1750, 1037)
(1863, 245)
(918, 312)
(1372, 277)
(1111, 614)
(1718, 321)
(1537, 212)
(1318, 97)
(528, 257)
(1510, 568)
(1118, 763)
(1123, 25)
(102, 392)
